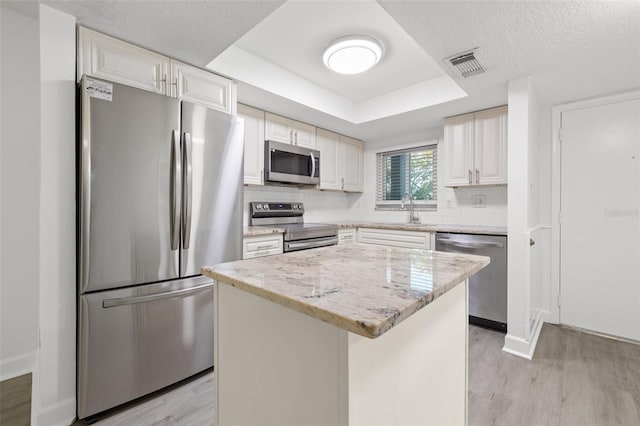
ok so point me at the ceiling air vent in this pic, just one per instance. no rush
(466, 63)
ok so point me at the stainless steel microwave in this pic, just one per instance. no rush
(291, 164)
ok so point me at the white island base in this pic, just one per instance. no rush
(276, 366)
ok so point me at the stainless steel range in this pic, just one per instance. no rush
(289, 216)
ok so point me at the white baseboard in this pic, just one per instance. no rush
(61, 414)
(521, 347)
(17, 366)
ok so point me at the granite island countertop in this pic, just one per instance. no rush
(427, 227)
(363, 288)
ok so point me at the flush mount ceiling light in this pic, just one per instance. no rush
(352, 54)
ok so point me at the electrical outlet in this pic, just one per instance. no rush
(480, 200)
(449, 203)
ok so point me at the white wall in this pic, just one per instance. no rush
(455, 206)
(20, 189)
(524, 261)
(320, 206)
(57, 356)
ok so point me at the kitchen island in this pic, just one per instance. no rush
(356, 334)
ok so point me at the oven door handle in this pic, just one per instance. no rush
(303, 245)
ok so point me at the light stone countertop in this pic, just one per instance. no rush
(362, 288)
(252, 231)
(460, 229)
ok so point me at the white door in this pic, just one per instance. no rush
(490, 147)
(600, 223)
(458, 143)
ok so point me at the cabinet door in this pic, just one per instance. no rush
(346, 236)
(253, 144)
(278, 128)
(106, 57)
(328, 143)
(458, 145)
(304, 135)
(389, 237)
(491, 147)
(201, 87)
(263, 245)
(351, 155)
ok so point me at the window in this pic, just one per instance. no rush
(407, 173)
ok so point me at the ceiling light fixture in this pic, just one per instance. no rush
(352, 54)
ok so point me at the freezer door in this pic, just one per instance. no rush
(127, 162)
(212, 192)
(137, 340)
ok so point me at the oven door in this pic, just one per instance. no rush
(291, 164)
(309, 244)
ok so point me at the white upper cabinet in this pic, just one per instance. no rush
(351, 155)
(341, 162)
(109, 58)
(328, 144)
(458, 140)
(253, 144)
(106, 57)
(476, 148)
(491, 146)
(286, 130)
(199, 86)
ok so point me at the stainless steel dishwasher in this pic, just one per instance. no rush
(487, 288)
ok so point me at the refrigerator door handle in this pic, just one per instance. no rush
(186, 189)
(85, 196)
(110, 303)
(174, 191)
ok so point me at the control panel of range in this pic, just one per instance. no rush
(266, 209)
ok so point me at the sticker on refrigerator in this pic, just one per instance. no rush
(99, 89)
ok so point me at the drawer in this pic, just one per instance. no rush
(387, 237)
(263, 245)
(346, 236)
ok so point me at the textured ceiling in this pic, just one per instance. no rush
(561, 41)
(192, 31)
(571, 49)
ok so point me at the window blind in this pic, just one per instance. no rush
(407, 173)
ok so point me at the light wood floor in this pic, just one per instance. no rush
(15, 401)
(573, 379)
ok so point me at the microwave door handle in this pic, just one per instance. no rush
(313, 165)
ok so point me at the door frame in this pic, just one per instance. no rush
(556, 196)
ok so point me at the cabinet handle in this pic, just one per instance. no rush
(262, 176)
(291, 137)
(164, 84)
(470, 177)
(343, 184)
(477, 177)
(296, 138)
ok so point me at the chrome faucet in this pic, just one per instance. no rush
(413, 216)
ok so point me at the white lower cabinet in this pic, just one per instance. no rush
(261, 245)
(347, 235)
(388, 237)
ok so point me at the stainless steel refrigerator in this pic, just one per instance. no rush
(159, 195)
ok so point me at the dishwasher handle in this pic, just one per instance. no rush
(470, 244)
